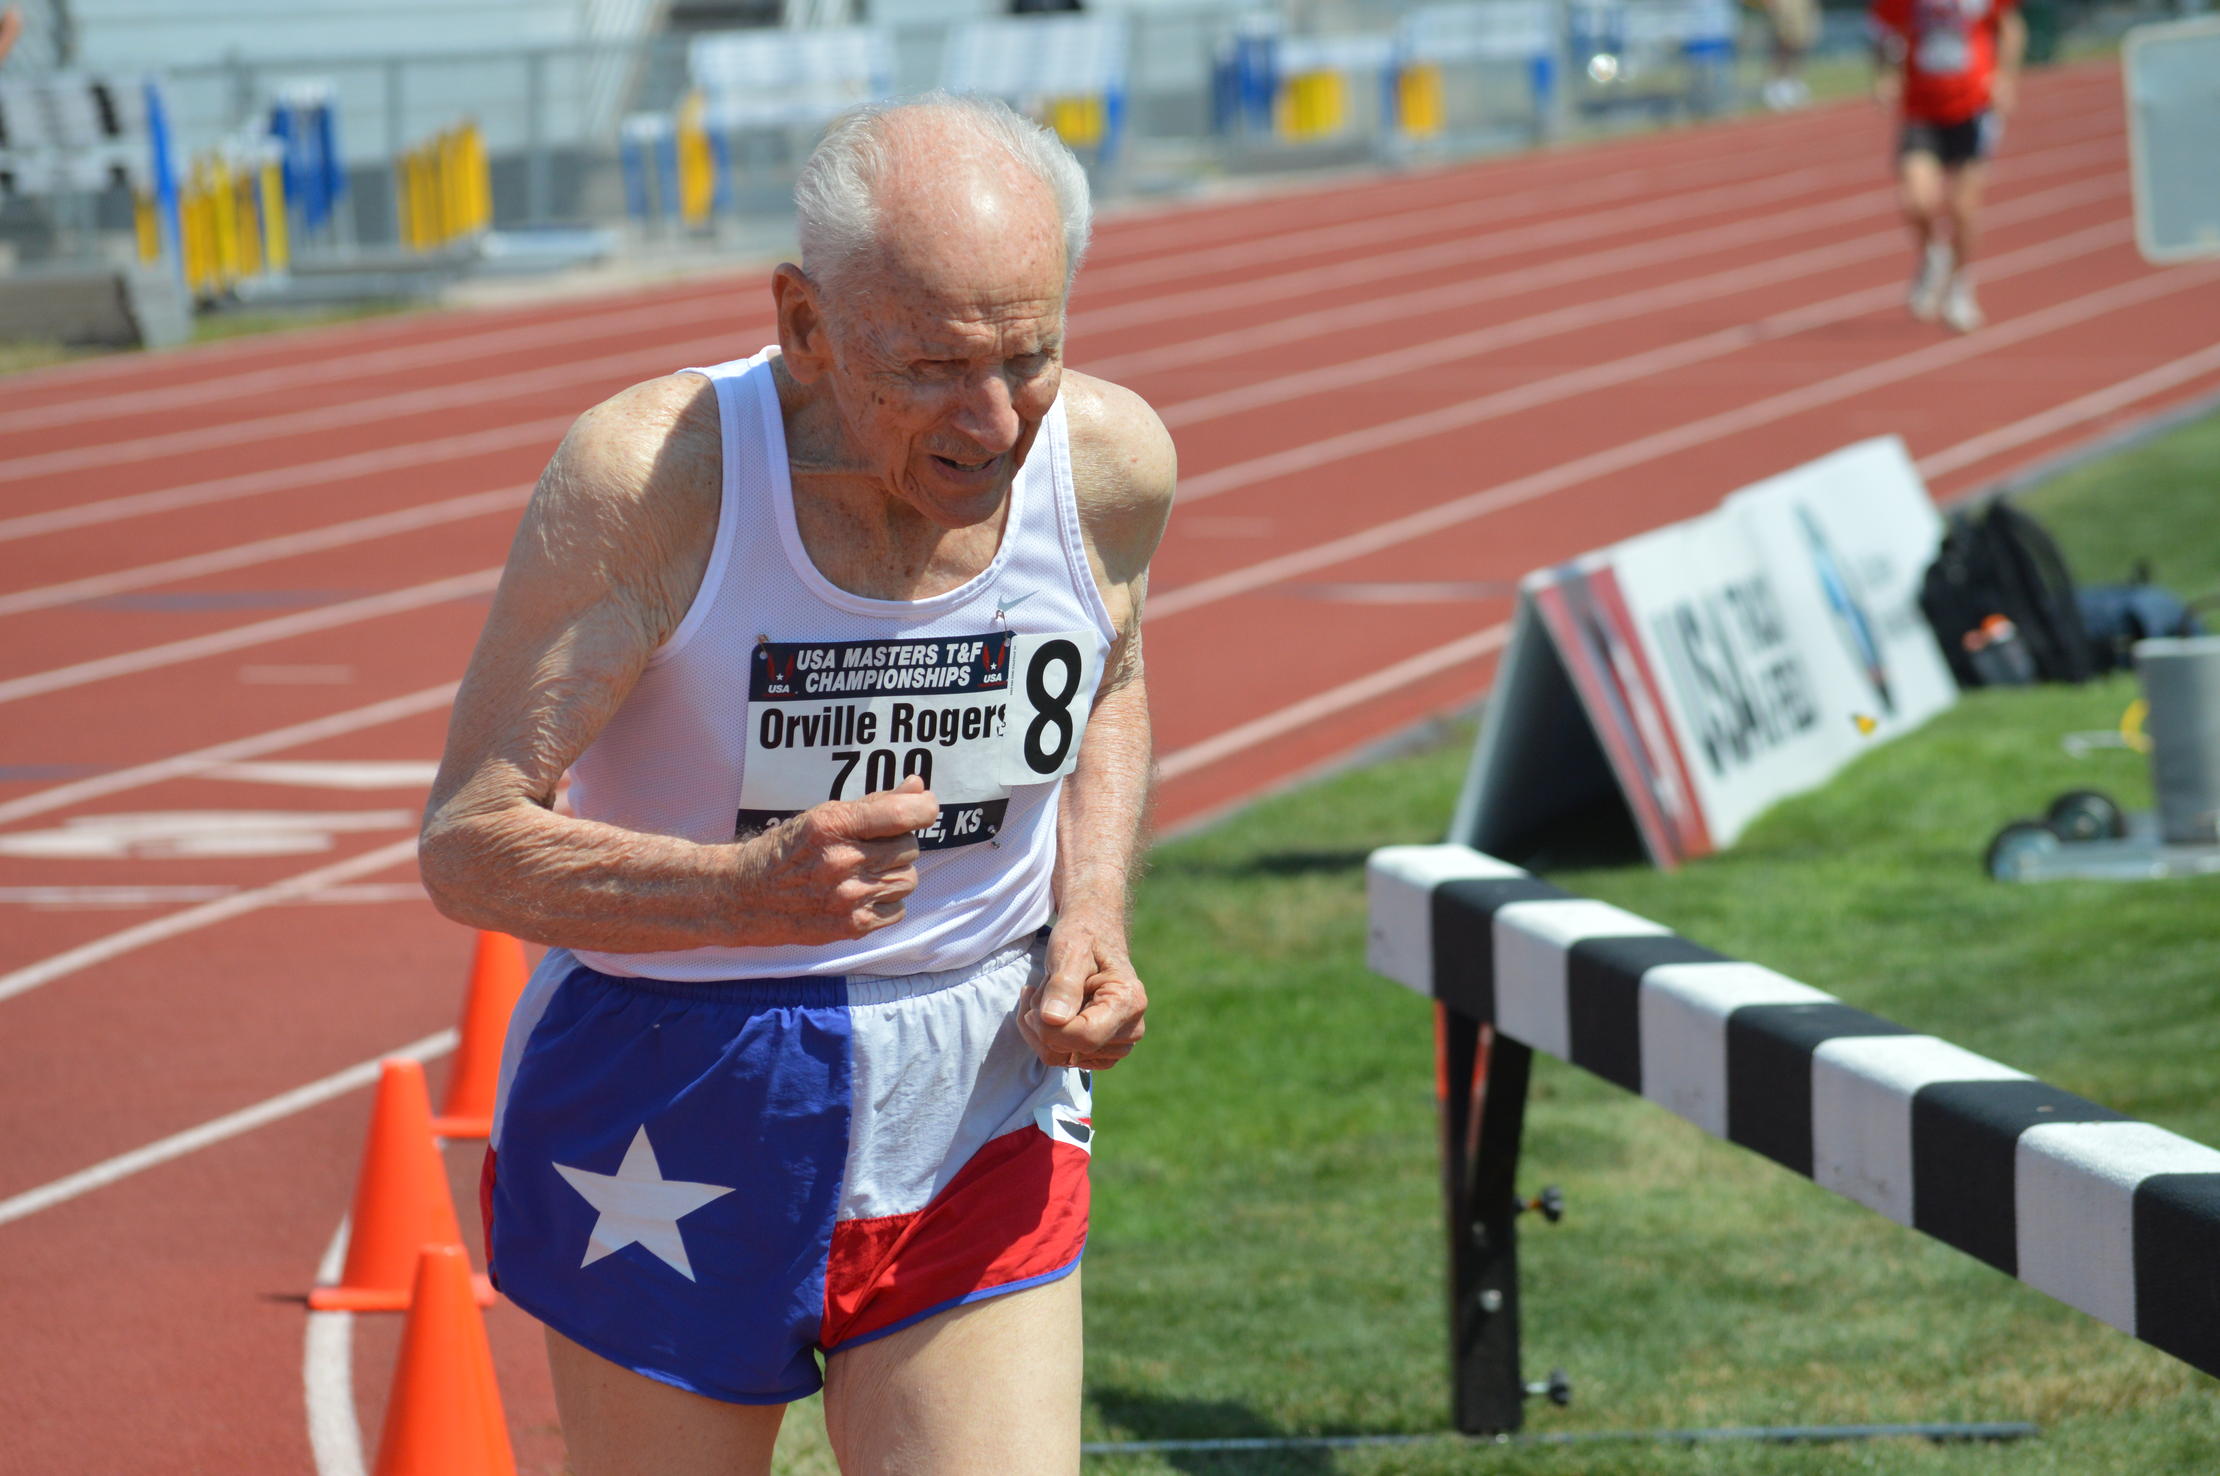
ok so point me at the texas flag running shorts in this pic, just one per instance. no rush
(710, 1184)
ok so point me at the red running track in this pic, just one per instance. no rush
(1392, 397)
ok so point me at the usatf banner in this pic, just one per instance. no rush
(1704, 670)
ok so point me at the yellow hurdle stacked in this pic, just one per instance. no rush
(697, 161)
(1079, 121)
(231, 222)
(1313, 105)
(443, 188)
(1418, 101)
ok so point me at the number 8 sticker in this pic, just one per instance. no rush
(1051, 709)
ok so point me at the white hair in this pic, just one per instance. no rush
(835, 197)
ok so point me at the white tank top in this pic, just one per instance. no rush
(780, 690)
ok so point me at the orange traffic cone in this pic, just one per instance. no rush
(443, 1417)
(401, 1201)
(496, 979)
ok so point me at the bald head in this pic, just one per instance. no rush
(938, 183)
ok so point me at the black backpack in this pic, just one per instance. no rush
(1996, 560)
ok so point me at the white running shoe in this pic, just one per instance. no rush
(1959, 311)
(1931, 283)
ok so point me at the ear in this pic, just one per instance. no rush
(804, 341)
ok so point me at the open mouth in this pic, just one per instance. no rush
(966, 468)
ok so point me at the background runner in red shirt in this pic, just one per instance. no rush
(1953, 68)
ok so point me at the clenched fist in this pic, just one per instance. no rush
(837, 870)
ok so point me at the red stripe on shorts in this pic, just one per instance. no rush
(1016, 1212)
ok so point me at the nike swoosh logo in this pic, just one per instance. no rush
(1008, 605)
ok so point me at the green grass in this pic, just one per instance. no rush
(1266, 1255)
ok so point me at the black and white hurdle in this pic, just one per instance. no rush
(2116, 1217)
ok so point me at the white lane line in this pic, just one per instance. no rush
(366, 411)
(328, 1375)
(1503, 284)
(2073, 412)
(283, 627)
(418, 453)
(202, 760)
(285, 546)
(81, 899)
(208, 1134)
(1687, 436)
(664, 358)
(1439, 256)
(298, 477)
(1223, 479)
(441, 352)
(115, 945)
(1429, 219)
(1337, 699)
(1463, 414)
(1174, 765)
(1183, 228)
(1585, 269)
(1336, 378)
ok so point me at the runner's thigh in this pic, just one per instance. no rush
(993, 1386)
(619, 1423)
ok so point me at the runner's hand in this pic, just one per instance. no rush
(2004, 94)
(837, 870)
(1088, 1010)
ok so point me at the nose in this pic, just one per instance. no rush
(986, 415)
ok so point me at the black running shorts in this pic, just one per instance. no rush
(1954, 145)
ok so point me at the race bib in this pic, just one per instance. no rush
(1944, 51)
(973, 716)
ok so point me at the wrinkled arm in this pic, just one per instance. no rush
(592, 587)
(610, 553)
(1092, 1005)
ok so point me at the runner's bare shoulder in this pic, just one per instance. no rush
(1124, 468)
(629, 502)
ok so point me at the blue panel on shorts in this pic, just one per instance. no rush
(741, 1088)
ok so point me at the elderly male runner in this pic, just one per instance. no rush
(841, 647)
(1952, 66)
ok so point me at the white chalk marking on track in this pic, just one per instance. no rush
(264, 550)
(1568, 474)
(201, 760)
(208, 1134)
(180, 834)
(115, 945)
(328, 1375)
(261, 632)
(2073, 412)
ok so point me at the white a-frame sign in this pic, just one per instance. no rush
(1704, 670)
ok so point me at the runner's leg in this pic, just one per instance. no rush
(619, 1423)
(1965, 208)
(992, 1386)
(1919, 183)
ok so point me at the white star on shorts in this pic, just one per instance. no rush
(638, 1204)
